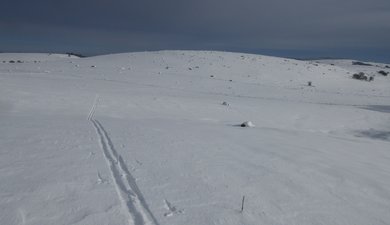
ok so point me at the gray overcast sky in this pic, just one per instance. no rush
(297, 28)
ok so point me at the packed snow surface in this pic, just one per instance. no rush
(143, 138)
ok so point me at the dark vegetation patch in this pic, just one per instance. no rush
(374, 134)
(75, 54)
(357, 63)
(377, 108)
(384, 73)
(362, 76)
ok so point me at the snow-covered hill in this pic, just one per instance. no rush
(143, 138)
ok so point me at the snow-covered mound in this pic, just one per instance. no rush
(143, 138)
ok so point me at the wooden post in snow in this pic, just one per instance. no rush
(242, 203)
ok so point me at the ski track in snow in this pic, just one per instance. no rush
(134, 204)
(93, 108)
(172, 209)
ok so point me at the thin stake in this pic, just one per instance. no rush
(242, 204)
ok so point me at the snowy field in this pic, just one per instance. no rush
(144, 138)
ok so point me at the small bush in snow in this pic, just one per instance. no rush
(383, 73)
(360, 76)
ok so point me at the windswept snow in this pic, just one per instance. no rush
(144, 138)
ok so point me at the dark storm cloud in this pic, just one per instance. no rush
(121, 25)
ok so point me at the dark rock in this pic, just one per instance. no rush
(247, 124)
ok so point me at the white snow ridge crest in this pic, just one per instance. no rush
(135, 207)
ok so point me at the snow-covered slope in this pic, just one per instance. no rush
(33, 57)
(143, 138)
(369, 68)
